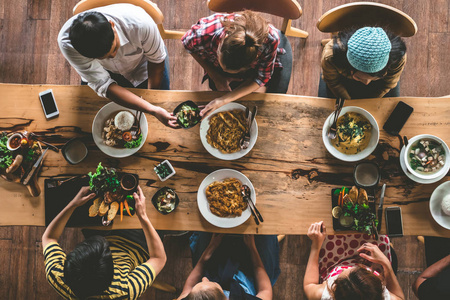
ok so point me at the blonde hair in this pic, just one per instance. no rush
(244, 35)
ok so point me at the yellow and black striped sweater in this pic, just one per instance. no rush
(132, 275)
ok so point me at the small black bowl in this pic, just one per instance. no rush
(178, 108)
(161, 191)
(70, 146)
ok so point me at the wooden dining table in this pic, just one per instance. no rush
(289, 166)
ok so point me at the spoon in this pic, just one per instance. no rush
(337, 106)
(105, 221)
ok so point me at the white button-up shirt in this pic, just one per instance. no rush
(140, 42)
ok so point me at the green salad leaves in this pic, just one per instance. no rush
(103, 180)
(135, 143)
(6, 158)
(365, 219)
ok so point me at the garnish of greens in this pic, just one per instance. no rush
(163, 170)
(103, 180)
(135, 143)
(129, 198)
(364, 219)
(350, 129)
(6, 158)
(188, 116)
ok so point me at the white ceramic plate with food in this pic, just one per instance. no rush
(415, 178)
(203, 205)
(373, 142)
(436, 204)
(204, 126)
(102, 115)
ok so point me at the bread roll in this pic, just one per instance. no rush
(103, 209)
(113, 210)
(93, 210)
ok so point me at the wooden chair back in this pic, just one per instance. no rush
(150, 7)
(287, 9)
(360, 14)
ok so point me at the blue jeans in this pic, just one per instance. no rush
(267, 246)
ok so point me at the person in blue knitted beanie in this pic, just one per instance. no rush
(362, 63)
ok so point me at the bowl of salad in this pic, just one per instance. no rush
(427, 156)
(188, 114)
(165, 200)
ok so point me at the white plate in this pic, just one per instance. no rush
(351, 157)
(203, 205)
(413, 177)
(435, 204)
(97, 126)
(204, 126)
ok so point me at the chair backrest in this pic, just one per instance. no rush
(360, 14)
(288, 9)
(150, 7)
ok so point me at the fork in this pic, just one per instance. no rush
(137, 126)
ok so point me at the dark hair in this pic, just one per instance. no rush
(206, 294)
(340, 42)
(91, 34)
(360, 284)
(244, 37)
(89, 268)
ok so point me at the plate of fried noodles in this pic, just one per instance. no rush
(222, 131)
(220, 201)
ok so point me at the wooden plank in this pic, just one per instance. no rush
(439, 21)
(5, 261)
(438, 43)
(39, 9)
(281, 171)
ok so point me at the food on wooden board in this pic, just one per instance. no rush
(110, 196)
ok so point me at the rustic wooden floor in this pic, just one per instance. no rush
(29, 54)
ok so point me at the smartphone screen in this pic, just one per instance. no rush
(49, 103)
(398, 118)
(394, 221)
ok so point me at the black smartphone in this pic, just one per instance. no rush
(394, 223)
(398, 118)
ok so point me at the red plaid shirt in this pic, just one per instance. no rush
(204, 37)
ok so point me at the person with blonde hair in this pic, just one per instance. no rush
(240, 53)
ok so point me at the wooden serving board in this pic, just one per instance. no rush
(56, 198)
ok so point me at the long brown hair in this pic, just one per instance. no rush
(360, 284)
(244, 37)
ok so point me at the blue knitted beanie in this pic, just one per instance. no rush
(368, 49)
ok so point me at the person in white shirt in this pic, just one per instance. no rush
(118, 46)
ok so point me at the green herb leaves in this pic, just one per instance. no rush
(135, 143)
(6, 158)
(103, 180)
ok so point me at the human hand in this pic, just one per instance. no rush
(210, 107)
(249, 240)
(82, 197)
(317, 233)
(139, 199)
(373, 254)
(168, 119)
